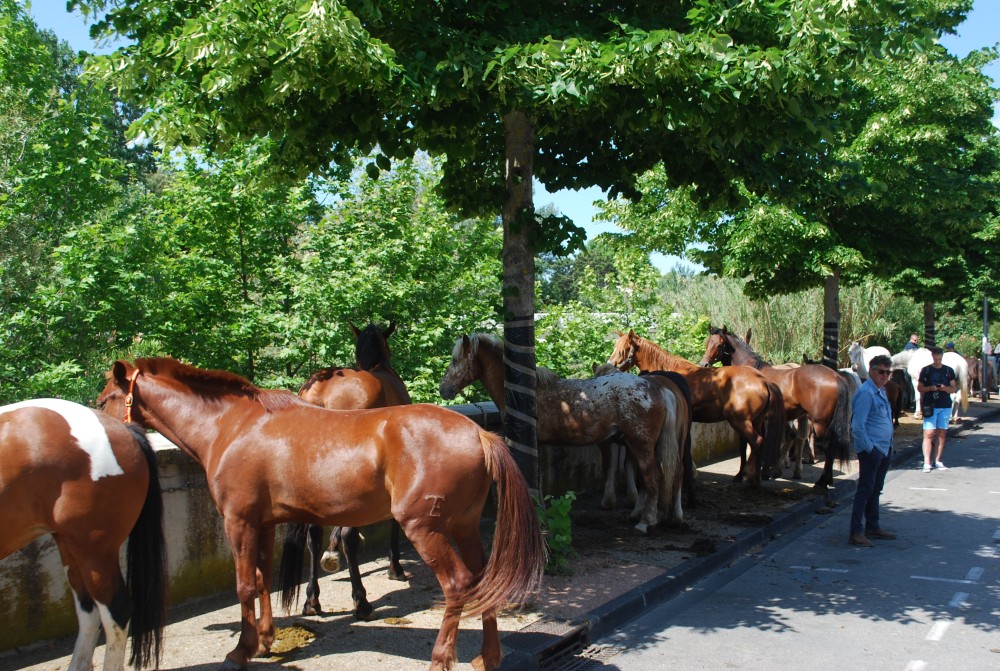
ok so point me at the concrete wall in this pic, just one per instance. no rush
(35, 601)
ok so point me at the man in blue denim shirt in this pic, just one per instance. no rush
(871, 426)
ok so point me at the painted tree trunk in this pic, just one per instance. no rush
(519, 298)
(929, 330)
(831, 320)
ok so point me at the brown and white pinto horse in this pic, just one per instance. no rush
(812, 391)
(271, 458)
(639, 413)
(742, 397)
(92, 483)
(373, 384)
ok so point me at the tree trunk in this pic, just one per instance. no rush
(929, 331)
(831, 320)
(519, 298)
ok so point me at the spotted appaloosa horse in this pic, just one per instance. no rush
(92, 483)
(636, 412)
(813, 391)
(271, 458)
(744, 398)
(373, 384)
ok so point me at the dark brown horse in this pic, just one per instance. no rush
(373, 384)
(271, 458)
(742, 397)
(812, 391)
(92, 483)
(633, 411)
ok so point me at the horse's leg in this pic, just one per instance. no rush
(749, 465)
(243, 540)
(396, 571)
(744, 444)
(822, 486)
(633, 490)
(265, 573)
(101, 599)
(312, 605)
(331, 558)
(455, 578)
(470, 547)
(645, 459)
(352, 540)
(609, 464)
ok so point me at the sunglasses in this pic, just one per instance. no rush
(883, 371)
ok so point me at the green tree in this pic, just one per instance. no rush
(508, 90)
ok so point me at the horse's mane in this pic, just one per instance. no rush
(217, 383)
(371, 350)
(543, 375)
(662, 359)
(741, 342)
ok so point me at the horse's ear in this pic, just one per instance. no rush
(593, 368)
(466, 343)
(120, 372)
(631, 333)
(355, 331)
(389, 331)
(749, 334)
(725, 330)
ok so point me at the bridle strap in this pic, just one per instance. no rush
(129, 396)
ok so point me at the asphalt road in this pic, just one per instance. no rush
(927, 601)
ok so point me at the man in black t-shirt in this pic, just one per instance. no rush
(936, 383)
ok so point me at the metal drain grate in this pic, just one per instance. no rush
(592, 657)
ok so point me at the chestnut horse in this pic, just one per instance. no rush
(373, 384)
(639, 413)
(92, 483)
(271, 458)
(812, 391)
(742, 397)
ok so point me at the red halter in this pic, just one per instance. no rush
(128, 397)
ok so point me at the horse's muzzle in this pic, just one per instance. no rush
(447, 391)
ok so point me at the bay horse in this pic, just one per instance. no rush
(636, 412)
(743, 397)
(272, 458)
(812, 391)
(92, 483)
(373, 384)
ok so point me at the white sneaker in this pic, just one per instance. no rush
(940, 466)
(927, 468)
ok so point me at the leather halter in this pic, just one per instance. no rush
(129, 396)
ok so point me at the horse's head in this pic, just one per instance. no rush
(626, 348)
(370, 347)
(718, 348)
(117, 397)
(463, 369)
(602, 369)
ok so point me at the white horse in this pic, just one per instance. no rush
(913, 360)
(861, 357)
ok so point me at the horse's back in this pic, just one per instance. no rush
(67, 469)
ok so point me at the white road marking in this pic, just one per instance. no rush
(916, 665)
(937, 631)
(85, 427)
(958, 600)
(974, 574)
(932, 579)
(817, 568)
(929, 489)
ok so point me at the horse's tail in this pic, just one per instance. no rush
(293, 551)
(514, 569)
(774, 430)
(963, 386)
(146, 566)
(683, 424)
(840, 443)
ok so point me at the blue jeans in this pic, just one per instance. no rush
(872, 469)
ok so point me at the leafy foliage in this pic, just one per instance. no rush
(554, 515)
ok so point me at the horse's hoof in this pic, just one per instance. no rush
(641, 529)
(399, 575)
(229, 665)
(312, 609)
(481, 665)
(330, 562)
(363, 612)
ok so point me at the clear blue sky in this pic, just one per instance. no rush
(981, 29)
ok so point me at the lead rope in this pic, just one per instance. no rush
(129, 396)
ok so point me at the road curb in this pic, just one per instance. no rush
(546, 644)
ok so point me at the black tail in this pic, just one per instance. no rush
(773, 431)
(839, 443)
(146, 567)
(293, 552)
